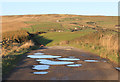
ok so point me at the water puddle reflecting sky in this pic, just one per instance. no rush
(72, 59)
(38, 53)
(40, 72)
(75, 65)
(49, 62)
(42, 60)
(42, 56)
(40, 67)
(91, 60)
(118, 68)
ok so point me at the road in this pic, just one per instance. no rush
(89, 71)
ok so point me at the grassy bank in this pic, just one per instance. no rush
(11, 59)
(14, 51)
(104, 44)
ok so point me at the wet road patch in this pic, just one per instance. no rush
(38, 53)
(49, 62)
(70, 59)
(75, 65)
(37, 73)
(40, 67)
(117, 68)
(42, 56)
(42, 60)
(91, 60)
(45, 62)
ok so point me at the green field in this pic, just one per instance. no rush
(80, 40)
(44, 26)
(65, 36)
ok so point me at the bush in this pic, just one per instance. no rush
(14, 36)
(91, 23)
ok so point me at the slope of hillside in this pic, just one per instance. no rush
(10, 23)
(96, 34)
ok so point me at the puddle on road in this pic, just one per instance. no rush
(91, 60)
(40, 73)
(75, 65)
(42, 60)
(118, 68)
(71, 59)
(42, 56)
(38, 53)
(40, 67)
(49, 62)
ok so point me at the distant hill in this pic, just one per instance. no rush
(16, 22)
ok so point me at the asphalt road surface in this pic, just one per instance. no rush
(88, 71)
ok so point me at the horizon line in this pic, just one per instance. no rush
(56, 14)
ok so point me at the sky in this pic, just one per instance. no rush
(59, 0)
(50, 7)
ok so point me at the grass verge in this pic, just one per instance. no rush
(88, 40)
(11, 59)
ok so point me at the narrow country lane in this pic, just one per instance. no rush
(101, 70)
